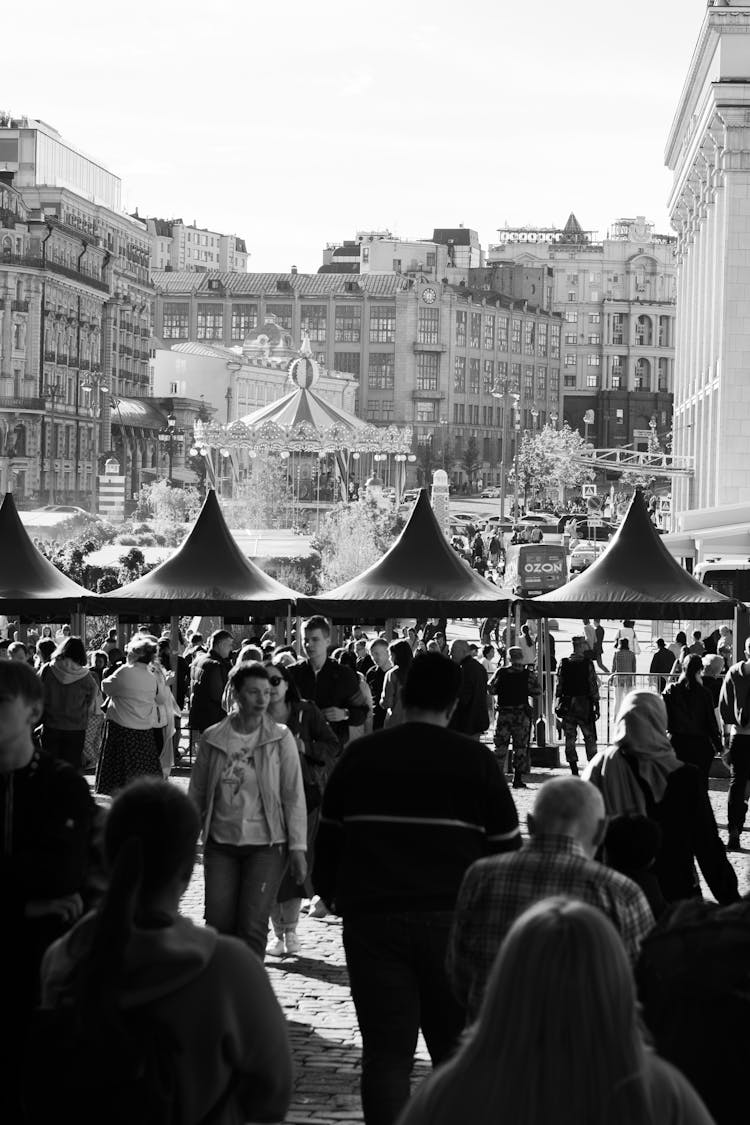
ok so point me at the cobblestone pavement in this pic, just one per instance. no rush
(313, 991)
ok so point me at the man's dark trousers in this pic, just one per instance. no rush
(398, 980)
(739, 768)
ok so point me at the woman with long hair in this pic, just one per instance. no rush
(393, 684)
(135, 967)
(557, 1039)
(71, 695)
(247, 784)
(641, 773)
(691, 718)
(318, 750)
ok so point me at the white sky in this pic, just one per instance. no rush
(295, 124)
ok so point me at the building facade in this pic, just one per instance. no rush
(176, 245)
(76, 316)
(446, 359)
(617, 298)
(448, 255)
(708, 151)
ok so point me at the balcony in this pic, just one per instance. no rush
(13, 402)
(435, 394)
(50, 356)
(19, 306)
(38, 263)
(422, 347)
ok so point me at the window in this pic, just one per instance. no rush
(397, 265)
(593, 294)
(554, 341)
(571, 316)
(592, 380)
(382, 324)
(572, 278)
(529, 337)
(570, 359)
(474, 415)
(554, 384)
(593, 360)
(428, 371)
(594, 318)
(430, 261)
(515, 378)
(616, 381)
(313, 319)
(282, 313)
(210, 321)
(173, 389)
(458, 413)
(476, 330)
(570, 380)
(176, 321)
(515, 336)
(474, 376)
(594, 338)
(502, 333)
(459, 375)
(541, 383)
(388, 409)
(571, 338)
(488, 377)
(461, 329)
(541, 339)
(428, 326)
(348, 324)
(528, 383)
(502, 371)
(380, 371)
(244, 318)
(488, 338)
(425, 411)
(572, 296)
(617, 328)
(347, 361)
(620, 416)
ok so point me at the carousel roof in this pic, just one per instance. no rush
(302, 405)
(208, 573)
(29, 581)
(420, 574)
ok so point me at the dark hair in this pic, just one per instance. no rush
(486, 650)
(433, 682)
(692, 666)
(348, 660)
(680, 638)
(292, 691)
(624, 643)
(402, 656)
(696, 634)
(45, 647)
(660, 642)
(150, 837)
(19, 680)
(318, 621)
(219, 635)
(246, 671)
(73, 649)
(632, 842)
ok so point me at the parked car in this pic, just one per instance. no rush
(490, 494)
(410, 496)
(585, 552)
(66, 509)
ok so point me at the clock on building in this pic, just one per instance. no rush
(429, 296)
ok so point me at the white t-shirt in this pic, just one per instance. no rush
(238, 816)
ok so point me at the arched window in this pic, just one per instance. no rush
(644, 331)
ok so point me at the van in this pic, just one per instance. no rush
(535, 568)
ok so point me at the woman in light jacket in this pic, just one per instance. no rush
(137, 700)
(70, 695)
(247, 785)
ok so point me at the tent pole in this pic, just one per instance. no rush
(288, 637)
(299, 636)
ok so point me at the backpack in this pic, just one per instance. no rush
(121, 1071)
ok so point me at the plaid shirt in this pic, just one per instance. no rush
(497, 889)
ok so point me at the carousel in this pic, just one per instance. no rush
(326, 452)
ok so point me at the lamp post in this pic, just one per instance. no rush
(517, 432)
(52, 392)
(167, 436)
(500, 391)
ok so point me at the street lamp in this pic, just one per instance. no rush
(517, 429)
(167, 436)
(500, 391)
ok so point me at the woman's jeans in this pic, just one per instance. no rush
(241, 885)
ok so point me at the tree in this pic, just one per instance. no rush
(546, 460)
(352, 538)
(160, 501)
(426, 462)
(470, 460)
(265, 499)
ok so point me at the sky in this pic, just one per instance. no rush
(297, 124)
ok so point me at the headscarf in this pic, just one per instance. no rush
(640, 734)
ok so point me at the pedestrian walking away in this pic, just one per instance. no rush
(514, 686)
(577, 695)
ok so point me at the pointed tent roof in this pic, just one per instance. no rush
(421, 573)
(635, 577)
(27, 579)
(573, 228)
(208, 573)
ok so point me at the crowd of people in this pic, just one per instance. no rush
(365, 779)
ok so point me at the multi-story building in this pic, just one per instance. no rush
(445, 358)
(447, 255)
(176, 245)
(76, 316)
(617, 297)
(708, 151)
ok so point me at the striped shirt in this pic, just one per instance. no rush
(406, 811)
(496, 891)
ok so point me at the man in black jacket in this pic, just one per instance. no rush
(471, 716)
(334, 687)
(406, 811)
(375, 677)
(577, 694)
(209, 675)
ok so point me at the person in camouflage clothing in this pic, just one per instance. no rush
(514, 686)
(577, 696)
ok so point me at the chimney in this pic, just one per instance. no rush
(294, 271)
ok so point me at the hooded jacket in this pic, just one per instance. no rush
(69, 696)
(279, 777)
(213, 994)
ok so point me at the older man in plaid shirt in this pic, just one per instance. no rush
(566, 827)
